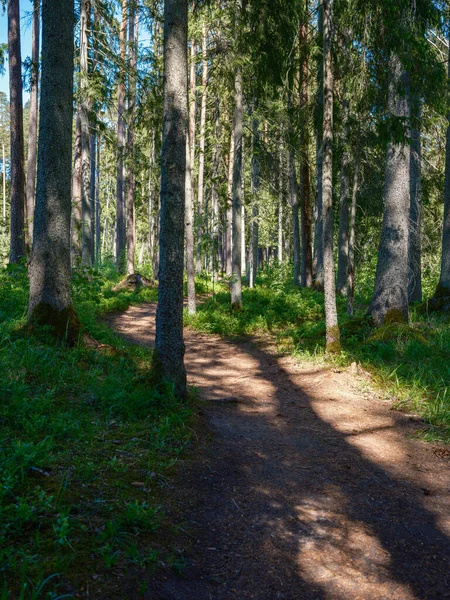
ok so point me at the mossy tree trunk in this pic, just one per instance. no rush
(169, 344)
(50, 300)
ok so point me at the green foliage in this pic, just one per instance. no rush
(84, 441)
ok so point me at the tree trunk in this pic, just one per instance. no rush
(443, 287)
(4, 182)
(352, 234)
(201, 157)
(86, 248)
(318, 228)
(236, 284)
(169, 344)
(229, 228)
(32, 128)
(120, 182)
(255, 188)
(415, 209)
(295, 222)
(50, 300)
(280, 205)
(306, 277)
(97, 204)
(215, 193)
(331, 320)
(76, 192)
(133, 41)
(390, 297)
(243, 255)
(343, 206)
(93, 186)
(17, 246)
(190, 267)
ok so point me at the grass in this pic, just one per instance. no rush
(409, 363)
(85, 445)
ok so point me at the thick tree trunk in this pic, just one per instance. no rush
(87, 241)
(169, 344)
(352, 235)
(331, 320)
(131, 184)
(255, 188)
(32, 127)
(390, 298)
(306, 278)
(120, 182)
(50, 273)
(76, 192)
(443, 288)
(236, 284)
(229, 227)
(415, 208)
(343, 207)
(201, 157)
(17, 231)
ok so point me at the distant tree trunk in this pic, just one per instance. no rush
(343, 206)
(133, 41)
(151, 210)
(331, 320)
(243, 256)
(201, 157)
(415, 209)
(295, 222)
(236, 284)
(280, 205)
(255, 188)
(443, 287)
(352, 234)
(76, 191)
(169, 344)
(306, 277)
(214, 191)
(17, 246)
(229, 227)
(50, 300)
(4, 182)
(319, 225)
(97, 204)
(86, 248)
(93, 184)
(32, 127)
(120, 185)
(190, 267)
(390, 297)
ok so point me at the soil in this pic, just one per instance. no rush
(303, 484)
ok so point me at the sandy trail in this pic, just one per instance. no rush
(301, 486)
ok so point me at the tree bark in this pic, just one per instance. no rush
(17, 245)
(255, 188)
(295, 222)
(343, 206)
(97, 203)
(352, 234)
(331, 320)
(76, 192)
(236, 284)
(190, 267)
(201, 157)
(87, 241)
(280, 204)
(120, 181)
(131, 184)
(215, 193)
(4, 182)
(229, 215)
(50, 300)
(415, 208)
(390, 298)
(318, 230)
(32, 127)
(169, 344)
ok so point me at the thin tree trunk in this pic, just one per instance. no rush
(415, 209)
(76, 192)
(86, 248)
(4, 182)
(243, 255)
(201, 158)
(17, 245)
(151, 210)
(295, 222)
(443, 287)
(120, 181)
(32, 128)
(190, 268)
(343, 206)
(236, 284)
(93, 186)
(331, 320)
(98, 256)
(229, 228)
(169, 344)
(318, 227)
(390, 297)
(280, 205)
(131, 184)
(255, 188)
(50, 300)
(352, 235)
(215, 193)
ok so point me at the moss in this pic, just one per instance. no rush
(394, 315)
(333, 340)
(399, 332)
(63, 324)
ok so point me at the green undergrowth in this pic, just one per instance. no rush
(409, 363)
(86, 444)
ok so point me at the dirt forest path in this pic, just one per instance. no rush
(303, 487)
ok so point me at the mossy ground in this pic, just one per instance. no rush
(86, 443)
(409, 362)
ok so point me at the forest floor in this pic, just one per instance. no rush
(304, 483)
